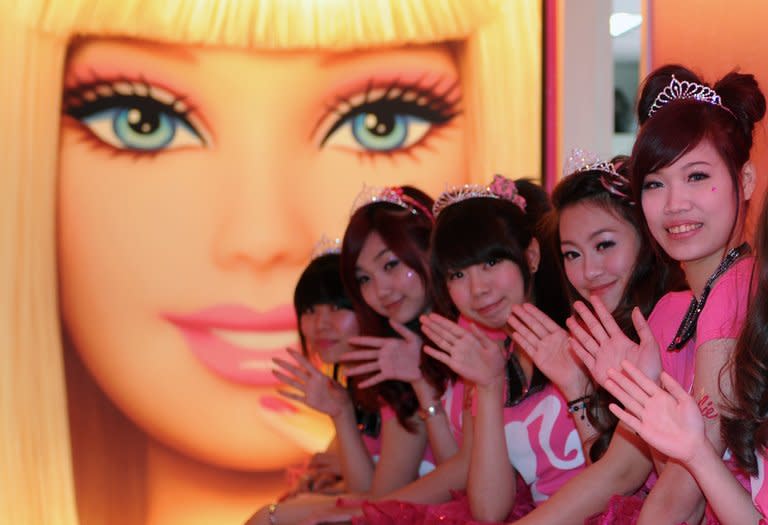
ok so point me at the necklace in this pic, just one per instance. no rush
(688, 325)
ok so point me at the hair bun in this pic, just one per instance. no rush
(741, 94)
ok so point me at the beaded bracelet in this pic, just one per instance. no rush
(430, 411)
(577, 405)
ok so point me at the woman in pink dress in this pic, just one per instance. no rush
(692, 175)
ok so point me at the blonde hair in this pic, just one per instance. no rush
(498, 49)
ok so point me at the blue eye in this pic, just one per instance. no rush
(400, 119)
(138, 123)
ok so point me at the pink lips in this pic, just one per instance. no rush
(237, 364)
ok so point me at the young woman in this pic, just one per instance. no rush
(671, 420)
(605, 252)
(326, 323)
(384, 268)
(692, 176)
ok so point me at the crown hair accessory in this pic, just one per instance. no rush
(391, 194)
(682, 90)
(325, 246)
(614, 183)
(500, 188)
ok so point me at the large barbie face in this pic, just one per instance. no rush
(193, 182)
(599, 250)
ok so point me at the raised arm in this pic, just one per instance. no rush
(394, 358)
(670, 420)
(321, 393)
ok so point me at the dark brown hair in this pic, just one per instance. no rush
(682, 124)
(653, 274)
(744, 424)
(406, 232)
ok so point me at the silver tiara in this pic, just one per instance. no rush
(325, 246)
(681, 90)
(580, 160)
(499, 188)
(390, 194)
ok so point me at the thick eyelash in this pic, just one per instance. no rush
(87, 98)
(424, 102)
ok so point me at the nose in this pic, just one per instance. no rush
(322, 318)
(478, 283)
(382, 286)
(676, 199)
(592, 267)
(259, 225)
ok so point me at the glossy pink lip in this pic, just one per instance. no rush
(489, 309)
(394, 305)
(224, 358)
(600, 290)
(325, 343)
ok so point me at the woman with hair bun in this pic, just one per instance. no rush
(693, 178)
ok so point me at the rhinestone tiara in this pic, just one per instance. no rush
(500, 188)
(325, 246)
(682, 90)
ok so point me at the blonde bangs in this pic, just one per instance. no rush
(269, 24)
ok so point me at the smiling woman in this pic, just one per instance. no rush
(167, 168)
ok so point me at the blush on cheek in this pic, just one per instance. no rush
(714, 188)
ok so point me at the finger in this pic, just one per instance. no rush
(580, 352)
(673, 387)
(403, 331)
(519, 327)
(530, 321)
(606, 318)
(371, 342)
(290, 367)
(480, 336)
(360, 355)
(642, 380)
(366, 368)
(437, 338)
(289, 380)
(596, 330)
(642, 327)
(543, 318)
(584, 338)
(372, 381)
(438, 354)
(293, 395)
(523, 343)
(301, 359)
(439, 322)
(631, 421)
(625, 390)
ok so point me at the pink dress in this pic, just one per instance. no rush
(544, 448)
(721, 318)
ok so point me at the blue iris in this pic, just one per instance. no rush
(138, 128)
(382, 131)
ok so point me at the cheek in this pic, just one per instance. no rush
(458, 294)
(346, 325)
(573, 274)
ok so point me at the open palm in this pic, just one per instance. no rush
(314, 389)
(547, 344)
(470, 353)
(602, 345)
(386, 357)
(666, 417)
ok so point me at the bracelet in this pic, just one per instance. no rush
(430, 411)
(272, 508)
(577, 405)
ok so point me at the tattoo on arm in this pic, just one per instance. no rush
(707, 407)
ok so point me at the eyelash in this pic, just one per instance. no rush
(102, 100)
(604, 245)
(400, 104)
(390, 264)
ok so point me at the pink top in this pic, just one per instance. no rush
(760, 487)
(722, 318)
